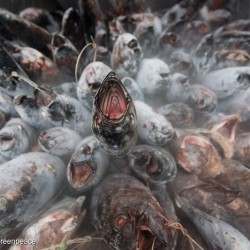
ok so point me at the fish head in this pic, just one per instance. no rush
(126, 56)
(114, 120)
(135, 227)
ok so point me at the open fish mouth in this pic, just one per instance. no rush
(7, 142)
(81, 174)
(113, 102)
(146, 240)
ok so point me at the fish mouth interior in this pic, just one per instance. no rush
(94, 86)
(6, 141)
(80, 173)
(145, 240)
(113, 103)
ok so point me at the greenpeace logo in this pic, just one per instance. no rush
(17, 242)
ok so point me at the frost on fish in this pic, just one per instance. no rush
(133, 88)
(153, 127)
(126, 55)
(55, 226)
(90, 81)
(59, 141)
(63, 111)
(31, 112)
(16, 138)
(179, 88)
(228, 81)
(179, 114)
(153, 76)
(20, 193)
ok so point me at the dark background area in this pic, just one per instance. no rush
(240, 8)
(18, 5)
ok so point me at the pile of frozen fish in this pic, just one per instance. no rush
(123, 128)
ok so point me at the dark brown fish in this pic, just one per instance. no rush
(39, 67)
(215, 199)
(40, 17)
(73, 28)
(13, 27)
(65, 56)
(232, 174)
(127, 215)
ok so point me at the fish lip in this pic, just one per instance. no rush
(11, 142)
(18, 100)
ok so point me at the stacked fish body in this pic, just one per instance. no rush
(141, 107)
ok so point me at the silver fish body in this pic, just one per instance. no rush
(59, 141)
(7, 105)
(16, 138)
(228, 81)
(133, 88)
(153, 76)
(66, 111)
(237, 104)
(38, 178)
(153, 127)
(68, 88)
(179, 88)
(39, 67)
(217, 233)
(65, 56)
(30, 112)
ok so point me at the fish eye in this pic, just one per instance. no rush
(120, 221)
